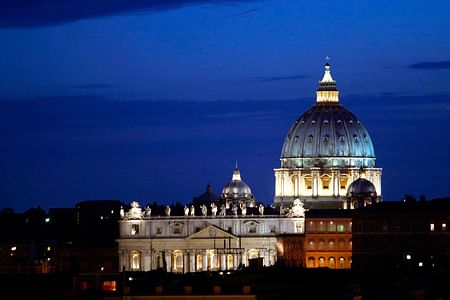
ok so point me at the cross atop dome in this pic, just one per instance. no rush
(327, 91)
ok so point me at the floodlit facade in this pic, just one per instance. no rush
(202, 240)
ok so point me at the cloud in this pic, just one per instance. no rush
(431, 65)
(280, 78)
(243, 13)
(93, 86)
(41, 13)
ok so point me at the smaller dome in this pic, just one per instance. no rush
(361, 188)
(236, 188)
(237, 192)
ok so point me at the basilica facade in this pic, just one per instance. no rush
(327, 163)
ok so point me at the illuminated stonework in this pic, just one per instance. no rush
(203, 242)
(325, 150)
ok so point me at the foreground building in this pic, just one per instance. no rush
(203, 240)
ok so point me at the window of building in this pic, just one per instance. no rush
(331, 227)
(252, 228)
(135, 259)
(199, 262)
(321, 262)
(343, 182)
(298, 227)
(321, 245)
(177, 229)
(326, 182)
(273, 229)
(159, 230)
(444, 226)
(308, 183)
(109, 286)
(197, 229)
(230, 262)
(331, 244)
(311, 262)
(431, 226)
(331, 263)
(311, 245)
(341, 262)
(340, 228)
(134, 229)
(321, 226)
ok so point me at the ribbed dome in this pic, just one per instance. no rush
(237, 188)
(361, 188)
(328, 130)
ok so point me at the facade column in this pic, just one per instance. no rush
(146, 260)
(168, 258)
(123, 264)
(223, 262)
(185, 261)
(315, 183)
(205, 260)
(244, 258)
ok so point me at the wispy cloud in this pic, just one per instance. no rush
(431, 65)
(93, 86)
(243, 13)
(41, 13)
(280, 78)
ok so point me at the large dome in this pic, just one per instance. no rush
(328, 131)
(361, 188)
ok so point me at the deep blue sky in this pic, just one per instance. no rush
(151, 100)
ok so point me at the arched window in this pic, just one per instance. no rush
(311, 262)
(199, 262)
(341, 263)
(135, 261)
(177, 261)
(326, 182)
(230, 262)
(321, 262)
(331, 263)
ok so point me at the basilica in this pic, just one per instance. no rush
(327, 168)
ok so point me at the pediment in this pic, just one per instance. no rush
(212, 232)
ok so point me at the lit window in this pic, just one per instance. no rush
(340, 228)
(420, 264)
(321, 262)
(343, 182)
(109, 286)
(308, 183)
(134, 229)
(408, 256)
(298, 228)
(177, 229)
(326, 182)
(332, 227)
(431, 226)
(444, 227)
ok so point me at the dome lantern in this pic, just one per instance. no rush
(327, 91)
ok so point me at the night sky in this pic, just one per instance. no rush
(151, 100)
